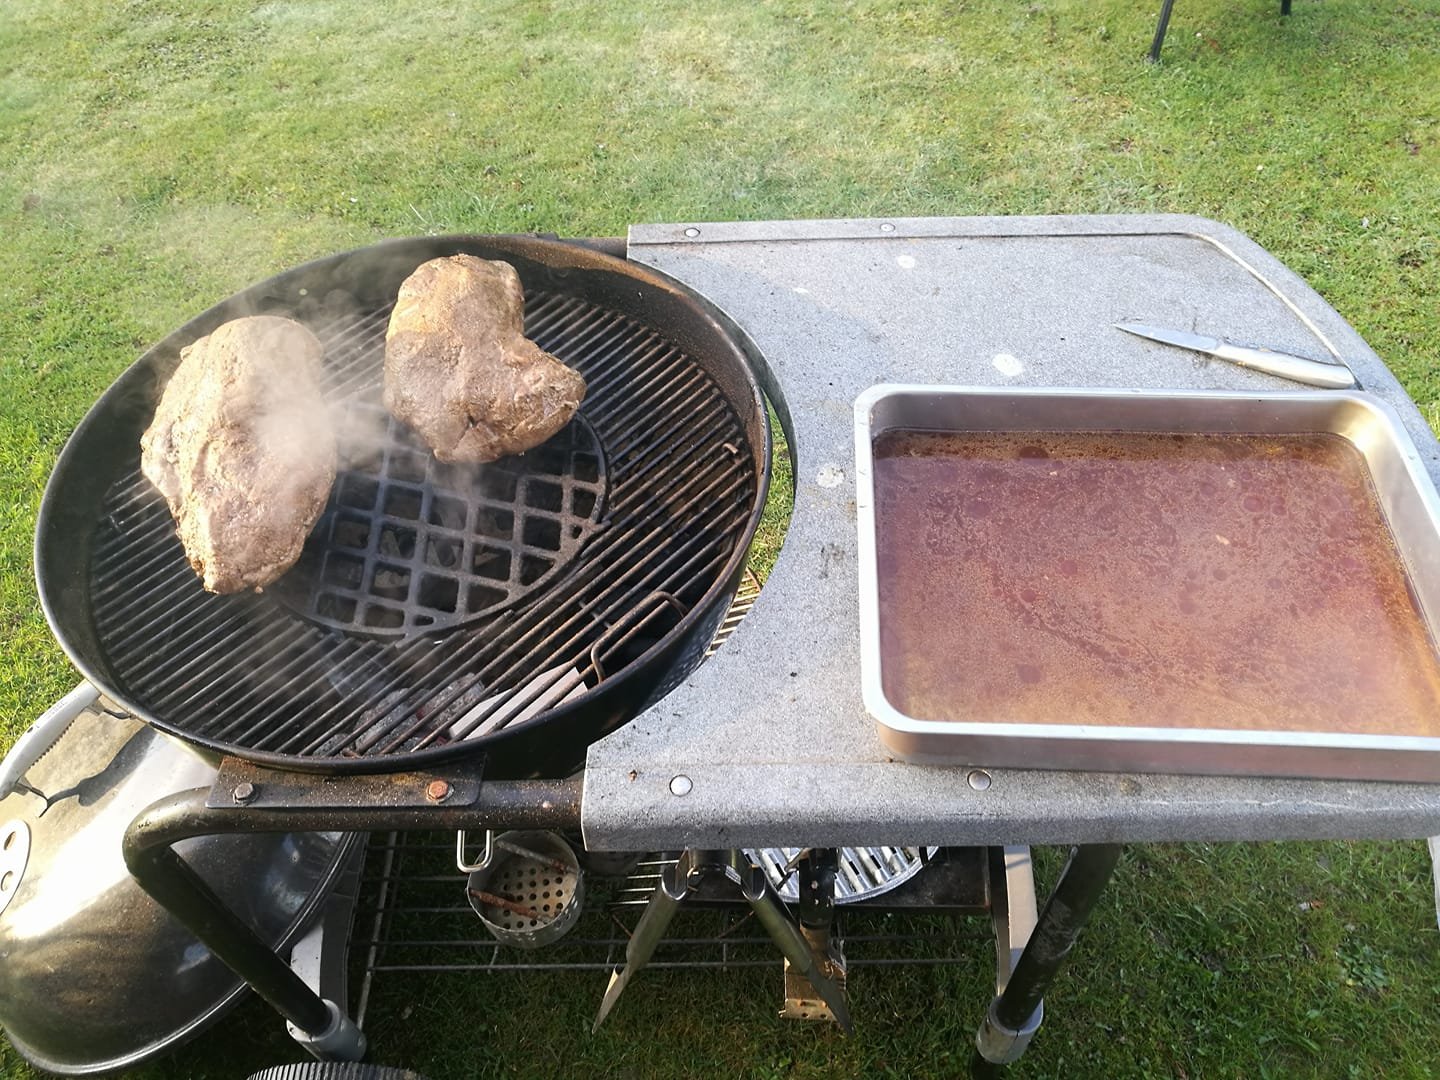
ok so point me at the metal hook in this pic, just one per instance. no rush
(470, 868)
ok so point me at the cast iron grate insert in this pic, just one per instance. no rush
(410, 545)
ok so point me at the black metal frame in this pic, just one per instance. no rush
(1153, 56)
(250, 798)
(454, 799)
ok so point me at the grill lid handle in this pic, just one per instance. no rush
(43, 734)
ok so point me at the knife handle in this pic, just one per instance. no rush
(1296, 368)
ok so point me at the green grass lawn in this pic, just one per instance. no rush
(157, 156)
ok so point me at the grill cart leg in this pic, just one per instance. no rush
(319, 1025)
(664, 902)
(269, 803)
(789, 938)
(1015, 1013)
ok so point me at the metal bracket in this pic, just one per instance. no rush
(1013, 909)
(243, 784)
(688, 875)
(802, 1000)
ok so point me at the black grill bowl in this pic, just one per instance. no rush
(673, 397)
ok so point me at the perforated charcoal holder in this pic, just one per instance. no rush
(556, 895)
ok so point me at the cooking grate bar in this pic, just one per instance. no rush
(218, 691)
(193, 644)
(343, 329)
(632, 584)
(529, 646)
(475, 652)
(595, 335)
(353, 356)
(653, 446)
(162, 543)
(494, 642)
(630, 349)
(186, 622)
(554, 657)
(547, 309)
(168, 586)
(574, 654)
(208, 636)
(626, 539)
(302, 674)
(667, 458)
(666, 367)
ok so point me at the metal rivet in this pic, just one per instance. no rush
(887, 227)
(692, 231)
(437, 791)
(243, 792)
(680, 785)
(978, 779)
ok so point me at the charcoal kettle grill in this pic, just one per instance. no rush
(434, 604)
(766, 745)
(508, 614)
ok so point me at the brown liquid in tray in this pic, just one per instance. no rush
(1201, 581)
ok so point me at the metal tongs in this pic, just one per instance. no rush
(1299, 369)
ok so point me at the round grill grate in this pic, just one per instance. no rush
(410, 545)
(296, 673)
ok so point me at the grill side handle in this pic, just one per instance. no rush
(346, 804)
(42, 735)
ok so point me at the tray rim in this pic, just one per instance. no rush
(940, 742)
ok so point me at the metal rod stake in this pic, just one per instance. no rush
(649, 932)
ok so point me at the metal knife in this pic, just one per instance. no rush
(1296, 368)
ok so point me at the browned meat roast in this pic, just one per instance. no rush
(243, 450)
(459, 369)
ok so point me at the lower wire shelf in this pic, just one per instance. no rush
(412, 916)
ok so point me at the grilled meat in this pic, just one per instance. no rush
(243, 451)
(460, 371)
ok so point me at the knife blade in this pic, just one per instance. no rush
(1286, 365)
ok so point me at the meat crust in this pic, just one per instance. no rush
(243, 450)
(460, 371)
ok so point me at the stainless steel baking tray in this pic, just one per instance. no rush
(1384, 747)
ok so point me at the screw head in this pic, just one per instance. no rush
(437, 790)
(243, 792)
